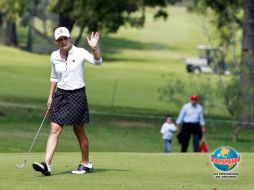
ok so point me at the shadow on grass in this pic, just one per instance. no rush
(109, 59)
(113, 45)
(97, 170)
(108, 170)
(108, 45)
(62, 173)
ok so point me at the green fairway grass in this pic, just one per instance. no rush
(125, 171)
(107, 133)
(126, 114)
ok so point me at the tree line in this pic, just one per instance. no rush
(87, 15)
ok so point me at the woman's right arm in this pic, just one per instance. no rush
(52, 89)
(53, 82)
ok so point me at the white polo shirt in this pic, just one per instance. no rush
(69, 74)
(167, 130)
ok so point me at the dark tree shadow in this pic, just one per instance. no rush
(111, 46)
(114, 45)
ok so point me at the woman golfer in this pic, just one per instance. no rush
(67, 102)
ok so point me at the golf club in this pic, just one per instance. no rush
(21, 165)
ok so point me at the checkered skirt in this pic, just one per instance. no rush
(69, 107)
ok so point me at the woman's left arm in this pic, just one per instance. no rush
(93, 43)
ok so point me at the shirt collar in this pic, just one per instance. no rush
(190, 104)
(72, 49)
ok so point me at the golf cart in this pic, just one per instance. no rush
(211, 60)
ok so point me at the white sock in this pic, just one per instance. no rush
(49, 167)
(89, 164)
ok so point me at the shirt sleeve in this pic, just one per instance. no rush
(172, 128)
(90, 57)
(163, 129)
(53, 76)
(181, 116)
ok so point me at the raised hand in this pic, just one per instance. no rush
(93, 40)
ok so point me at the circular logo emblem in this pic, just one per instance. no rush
(225, 158)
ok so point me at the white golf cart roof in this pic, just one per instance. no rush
(204, 47)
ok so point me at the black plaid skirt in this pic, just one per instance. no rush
(69, 107)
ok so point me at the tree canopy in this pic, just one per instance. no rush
(88, 15)
(227, 14)
(241, 93)
(107, 16)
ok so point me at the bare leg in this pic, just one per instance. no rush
(83, 142)
(55, 131)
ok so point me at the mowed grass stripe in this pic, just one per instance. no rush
(124, 171)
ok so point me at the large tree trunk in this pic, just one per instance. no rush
(11, 38)
(66, 21)
(246, 108)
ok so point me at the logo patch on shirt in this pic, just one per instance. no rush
(73, 61)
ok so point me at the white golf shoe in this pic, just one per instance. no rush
(83, 168)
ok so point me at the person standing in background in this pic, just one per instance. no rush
(191, 119)
(167, 130)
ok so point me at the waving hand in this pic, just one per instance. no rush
(93, 40)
